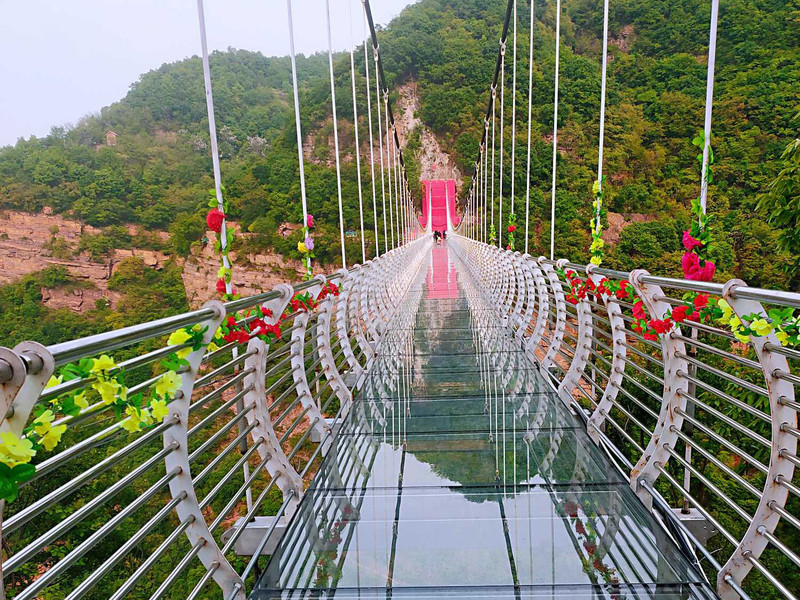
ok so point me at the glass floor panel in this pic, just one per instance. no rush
(459, 473)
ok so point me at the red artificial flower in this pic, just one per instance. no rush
(231, 321)
(689, 242)
(512, 228)
(571, 299)
(650, 336)
(580, 528)
(701, 301)
(638, 310)
(590, 548)
(267, 312)
(508, 247)
(598, 565)
(571, 508)
(622, 292)
(679, 313)
(660, 326)
(221, 286)
(214, 219)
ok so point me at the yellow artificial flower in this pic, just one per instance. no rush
(597, 244)
(103, 365)
(783, 338)
(53, 436)
(159, 410)
(15, 451)
(168, 383)
(107, 390)
(762, 327)
(727, 311)
(596, 260)
(134, 421)
(80, 400)
(178, 338)
(54, 381)
(42, 423)
(212, 347)
(301, 246)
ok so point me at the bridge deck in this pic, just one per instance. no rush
(439, 484)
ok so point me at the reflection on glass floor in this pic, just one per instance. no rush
(459, 473)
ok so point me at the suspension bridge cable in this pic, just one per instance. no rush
(712, 57)
(396, 184)
(514, 110)
(389, 166)
(355, 132)
(494, 120)
(530, 105)
(297, 122)
(335, 132)
(602, 115)
(502, 135)
(371, 151)
(555, 136)
(485, 180)
(375, 52)
(490, 109)
(212, 133)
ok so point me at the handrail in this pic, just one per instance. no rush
(723, 403)
(241, 423)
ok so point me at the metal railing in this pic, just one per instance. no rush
(702, 424)
(170, 511)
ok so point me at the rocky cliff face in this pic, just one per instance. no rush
(26, 247)
(435, 163)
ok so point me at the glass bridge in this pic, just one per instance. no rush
(440, 484)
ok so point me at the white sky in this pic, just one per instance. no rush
(60, 60)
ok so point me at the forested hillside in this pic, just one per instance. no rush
(156, 172)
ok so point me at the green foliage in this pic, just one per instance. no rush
(781, 203)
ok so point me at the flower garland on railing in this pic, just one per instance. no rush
(512, 227)
(306, 245)
(133, 411)
(596, 225)
(696, 266)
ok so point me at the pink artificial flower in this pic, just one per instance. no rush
(690, 263)
(309, 221)
(689, 242)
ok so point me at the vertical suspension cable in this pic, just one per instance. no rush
(371, 151)
(395, 148)
(486, 180)
(389, 165)
(530, 105)
(297, 123)
(375, 50)
(494, 120)
(514, 110)
(335, 132)
(502, 135)
(712, 57)
(212, 133)
(602, 115)
(555, 137)
(355, 132)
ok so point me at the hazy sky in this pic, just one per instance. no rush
(61, 60)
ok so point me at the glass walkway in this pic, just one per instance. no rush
(459, 473)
